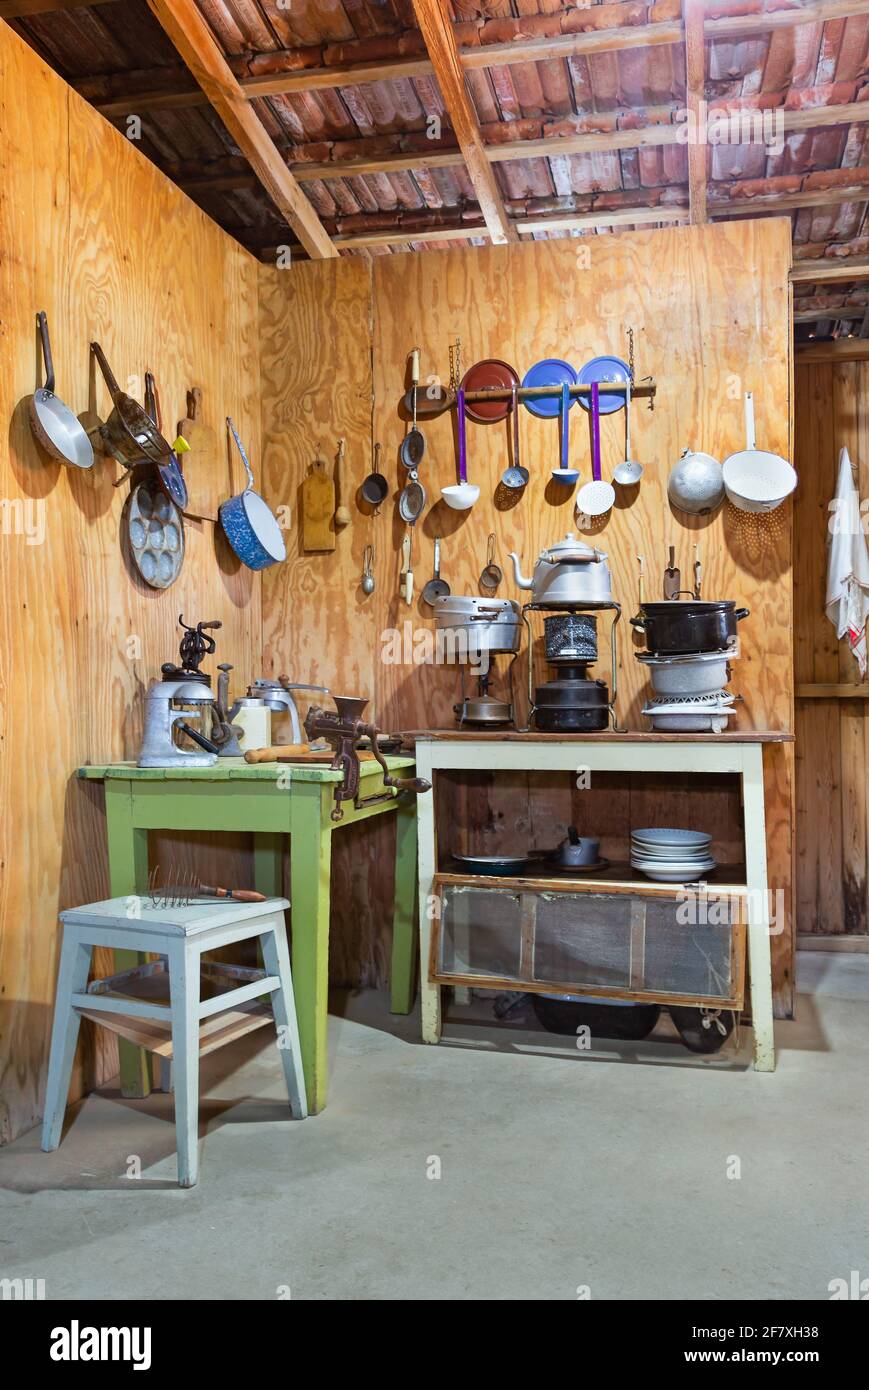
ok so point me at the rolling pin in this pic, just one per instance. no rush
(291, 752)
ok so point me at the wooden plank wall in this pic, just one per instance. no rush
(832, 863)
(93, 234)
(710, 311)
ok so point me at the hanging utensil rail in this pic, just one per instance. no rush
(524, 393)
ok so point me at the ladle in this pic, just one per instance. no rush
(630, 472)
(515, 477)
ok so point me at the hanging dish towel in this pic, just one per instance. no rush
(848, 566)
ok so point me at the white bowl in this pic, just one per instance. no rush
(666, 835)
(460, 496)
(760, 483)
(675, 875)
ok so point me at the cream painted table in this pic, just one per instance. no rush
(737, 753)
(271, 800)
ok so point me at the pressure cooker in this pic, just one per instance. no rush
(470, 626)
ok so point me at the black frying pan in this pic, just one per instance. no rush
(54, 425)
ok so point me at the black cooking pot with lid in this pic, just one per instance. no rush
(690, 626)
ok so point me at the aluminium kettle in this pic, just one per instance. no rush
(569, 574)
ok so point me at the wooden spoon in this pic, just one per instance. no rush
(342, 514)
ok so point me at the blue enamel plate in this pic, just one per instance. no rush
(604, 369)
(550, 372)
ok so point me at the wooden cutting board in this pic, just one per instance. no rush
(205, 470)
(318, 509)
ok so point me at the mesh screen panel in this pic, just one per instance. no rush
(627, 941)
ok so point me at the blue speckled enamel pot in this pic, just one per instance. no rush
(250, 525)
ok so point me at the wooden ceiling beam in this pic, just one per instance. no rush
(585, 221)
(22, 9)
(613, 217)
(356, 240)
(695, 93)
(838, 315)
(813, 12)
(827, 271)
(436, 29)
(787, 202)
(841, 350)
(197, 46)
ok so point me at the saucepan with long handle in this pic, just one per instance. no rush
(249, 523)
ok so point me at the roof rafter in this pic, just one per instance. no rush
(436, 30)
(819, 272)
(695, 91)
(197, 46)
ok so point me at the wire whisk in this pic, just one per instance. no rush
(181, 889)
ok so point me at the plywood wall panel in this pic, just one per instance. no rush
(318, 625)
(832, 862)
(710, 312)
(92, 233)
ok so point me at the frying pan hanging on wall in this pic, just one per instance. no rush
(54, 425)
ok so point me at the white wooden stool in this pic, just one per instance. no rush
(189, 1025)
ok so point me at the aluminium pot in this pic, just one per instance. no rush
(700, 673)
(689, 626)
(471, 626)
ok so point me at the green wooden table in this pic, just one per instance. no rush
(271, 800)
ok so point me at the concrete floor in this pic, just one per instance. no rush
(559, 1170)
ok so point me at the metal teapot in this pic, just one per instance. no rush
(569, 574)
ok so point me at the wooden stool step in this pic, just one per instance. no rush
(196, 1018)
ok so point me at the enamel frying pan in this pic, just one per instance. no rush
(54, 425)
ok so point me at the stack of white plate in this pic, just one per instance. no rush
(672, 856)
